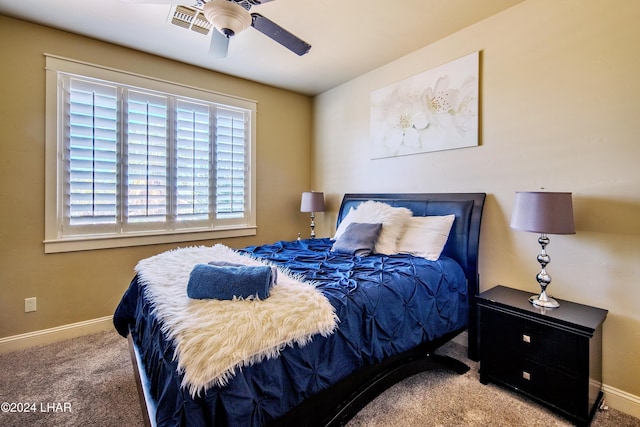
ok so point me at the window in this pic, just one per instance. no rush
(133, 160)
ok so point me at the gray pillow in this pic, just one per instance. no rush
(358, 239)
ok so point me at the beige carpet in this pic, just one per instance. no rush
(442, 398)
(93, 374)
(88, 381)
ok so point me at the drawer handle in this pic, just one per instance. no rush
(526, 375)
(526, 338)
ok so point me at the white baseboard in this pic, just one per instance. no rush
(614, 398)
(51, 335)
(621, 400)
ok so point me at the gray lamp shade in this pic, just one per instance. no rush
(543, 212)
(312, 201)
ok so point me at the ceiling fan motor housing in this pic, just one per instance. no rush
(226, 16)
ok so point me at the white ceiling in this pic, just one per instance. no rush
(349, 37)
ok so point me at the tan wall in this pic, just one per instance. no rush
(560, 110)
(74, 287)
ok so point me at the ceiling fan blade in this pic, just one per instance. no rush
(279, 34)
(219, 45)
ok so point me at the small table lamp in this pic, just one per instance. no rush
(545, 213)
(312, 201)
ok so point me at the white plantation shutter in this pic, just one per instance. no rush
(193, 161)
(136, 162)
(231, 139)
(91, 155)
(146, 158)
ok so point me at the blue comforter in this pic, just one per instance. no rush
(386, 305)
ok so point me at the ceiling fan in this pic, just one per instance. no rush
(230, 17)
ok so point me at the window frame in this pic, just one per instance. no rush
(54, 143)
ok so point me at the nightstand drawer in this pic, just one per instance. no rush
(539, 380)
(513, 337)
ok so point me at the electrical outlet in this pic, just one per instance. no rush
(30, 304)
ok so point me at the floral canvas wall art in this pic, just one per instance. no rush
(432, 111)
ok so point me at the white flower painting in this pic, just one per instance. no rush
(432, 111)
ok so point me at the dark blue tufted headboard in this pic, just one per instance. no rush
(464, 238)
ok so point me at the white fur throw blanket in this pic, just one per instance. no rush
(214, 338)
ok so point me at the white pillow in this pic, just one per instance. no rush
(393, 222)
(425, 236)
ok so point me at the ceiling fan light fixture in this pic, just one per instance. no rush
(226, 16)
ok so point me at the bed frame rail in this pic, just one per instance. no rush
(147, 404)
(336, 405)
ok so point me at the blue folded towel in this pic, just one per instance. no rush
(226, 282)
(274, 270)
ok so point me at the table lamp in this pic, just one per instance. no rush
(545, 213)
(312, 201)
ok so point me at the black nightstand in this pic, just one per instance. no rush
(551, 355)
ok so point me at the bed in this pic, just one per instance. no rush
(392, 311)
